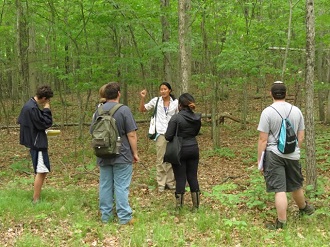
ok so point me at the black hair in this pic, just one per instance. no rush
(187, 101)
(169, 87)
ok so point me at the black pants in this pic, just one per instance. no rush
(187, 171)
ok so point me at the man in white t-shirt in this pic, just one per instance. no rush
(282, 172)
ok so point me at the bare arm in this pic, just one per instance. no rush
(143, 94)
(262, 143)
(132, 139)
(301, 137)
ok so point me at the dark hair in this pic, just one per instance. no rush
(169, 87)
(278, 90)
(44, 91)
(111, 90)
(187, 101)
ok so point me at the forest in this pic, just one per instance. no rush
(225, 53)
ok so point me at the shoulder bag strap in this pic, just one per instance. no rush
(177, 125)
(155, 110)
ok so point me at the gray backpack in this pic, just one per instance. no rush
(105, 135)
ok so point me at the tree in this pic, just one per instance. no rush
(165, 39)
(310, 66)
(22, 43)
(184, 43)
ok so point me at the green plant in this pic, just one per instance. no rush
(233, 223)
(254, 195)
(21, 166)
(226, 194)
(222, 152)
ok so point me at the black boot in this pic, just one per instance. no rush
(179, 200)
(195, 199)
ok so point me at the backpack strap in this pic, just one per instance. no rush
(289, 111)
(112, 111)
(277, 111)
(280, 116)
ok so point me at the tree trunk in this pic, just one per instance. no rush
(32, 57)
(288, 40)
(165, 39)
(22, 55)
(327, 114)
(327, 92)
(214, 111)
(311, 172)
(184, 44)
(321, 93)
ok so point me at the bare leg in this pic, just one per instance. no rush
(38, 182)
(281, 204)
(299, 198)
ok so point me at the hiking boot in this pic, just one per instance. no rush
(308, 209)
(195, 197)
(276, 225)
(179, 199)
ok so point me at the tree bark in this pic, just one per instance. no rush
(32, 58)
(184, 44)
(22, 49)
(288, 40)
(311, 173)
(165, 39)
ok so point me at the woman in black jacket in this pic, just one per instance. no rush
(189, 124)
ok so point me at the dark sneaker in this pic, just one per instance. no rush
(275, 225)
(309, 209)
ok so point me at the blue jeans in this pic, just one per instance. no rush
(114, 187)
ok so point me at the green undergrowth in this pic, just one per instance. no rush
(230, 215)
(232, 212)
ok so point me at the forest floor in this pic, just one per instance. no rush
(73, 163)
(72, 157)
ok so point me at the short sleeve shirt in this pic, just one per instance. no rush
(125, 124)
(163, 115)
(270, 122)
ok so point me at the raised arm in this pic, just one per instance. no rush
(143, 94)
